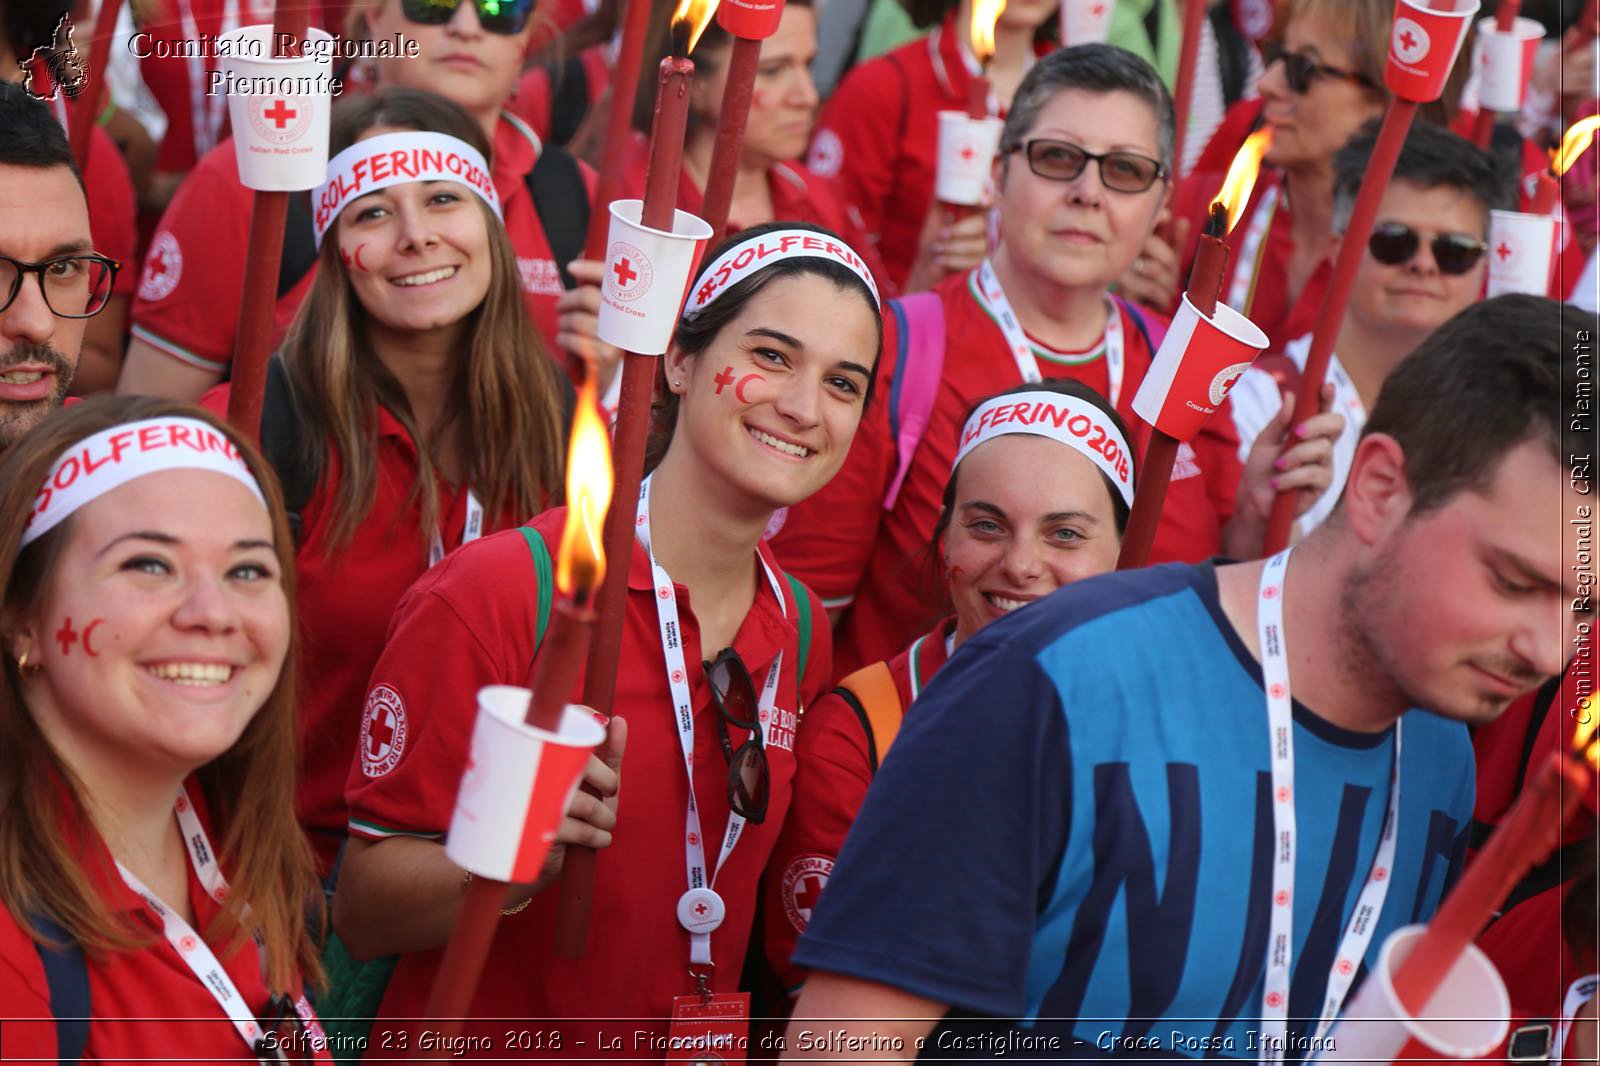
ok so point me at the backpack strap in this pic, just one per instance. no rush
(283, 447)
(1152, 332)
(802, 607)
(546, 574)
(569, 98)
(562, 201)
(872, 694)
(919, 366)
(66, 974)
(299, 244)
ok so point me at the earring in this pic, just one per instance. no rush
(23, 666)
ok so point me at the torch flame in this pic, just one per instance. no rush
(985, 13)
(696, 15)
(581, 564)
(1242, 172)
(1583, 739)
(1574, 144)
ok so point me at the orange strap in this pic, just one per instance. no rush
(875, 691)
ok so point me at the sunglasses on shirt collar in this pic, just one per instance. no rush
(1395, 243)
(505, 17)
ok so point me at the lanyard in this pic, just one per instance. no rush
(194, 951)
(205, 111)
(1363, 922)
(1579, 992)
(471, 531)
(993, 298)
(700, 909)
(1242, 289)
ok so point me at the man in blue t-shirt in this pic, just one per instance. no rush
(1081, 834)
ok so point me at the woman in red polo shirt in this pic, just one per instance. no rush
(764, 385)
(412, 406)
(152, 866)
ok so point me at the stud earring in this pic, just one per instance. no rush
(23, 665)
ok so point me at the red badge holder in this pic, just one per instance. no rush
(709, 1027)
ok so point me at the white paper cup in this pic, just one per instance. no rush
(279, 138)
(517, 784)
(1521, 247)
(1505, 62)
(1196, 367)
(966, 154)
(647, 276)
(1466, 1019)
(1085, 21)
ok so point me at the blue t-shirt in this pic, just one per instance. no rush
(1076, 826)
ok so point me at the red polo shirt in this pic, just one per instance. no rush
(188, 301)
(342, 632)
(470, 622)
(133, 995)
(842, 543)
(829, 787)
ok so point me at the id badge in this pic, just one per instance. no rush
(709, 1029)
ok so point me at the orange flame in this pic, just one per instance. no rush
(1242, 172)
(697, 15)
(581, 563)
(1574, 144)
(985, 13)
(1583, 740)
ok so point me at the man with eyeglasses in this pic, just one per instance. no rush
(1424, 263)
(51, 280)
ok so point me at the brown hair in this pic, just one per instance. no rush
(504, 408)
(249, 789)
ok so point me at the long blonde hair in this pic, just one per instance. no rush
(504, 408)
(249, 789)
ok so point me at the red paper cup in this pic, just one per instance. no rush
(966, 155)
(1423, 46)
(754, 20)
(1521, 250)
(1465, 1019)
(1085, 21)
(647, 276)
(1197, 364)
(517, 784)
(1506, 62)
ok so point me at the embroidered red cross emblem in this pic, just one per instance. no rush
(807, 891)
(158, 262)
(380, 733)
(724, 379)
(279, 113)
(1504, 251)
(624, 272)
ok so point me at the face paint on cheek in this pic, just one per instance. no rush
(723, 379)
(353, 259)
(757, 386)
(66, 636)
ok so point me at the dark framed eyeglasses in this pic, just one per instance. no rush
(734, 696)
(1127, 172)
(74, 286)
(1394, 243)
(496, 16)
(1300, 70)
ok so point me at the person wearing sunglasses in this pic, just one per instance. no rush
(153, 866)
(1081, 179)
(469, 52)
(1424, 263)
(763, 385)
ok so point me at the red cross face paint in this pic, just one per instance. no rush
(745, 388)
(352, 259)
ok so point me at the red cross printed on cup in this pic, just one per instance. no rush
(280, 113)
(1503, 251)
(624, 272)
(966, 153)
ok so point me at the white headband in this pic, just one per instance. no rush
(113, 457)
(394, 159)
(1078, 424)
(757, 253)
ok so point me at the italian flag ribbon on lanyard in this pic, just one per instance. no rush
(993, 299)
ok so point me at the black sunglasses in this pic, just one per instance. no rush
(1300, 70)
(734, 696)
(1394, 243)
(74, 286)
(496, 16)
(1119, 171)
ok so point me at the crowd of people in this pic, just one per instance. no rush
(875, 781)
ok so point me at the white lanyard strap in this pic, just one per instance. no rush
(471, 531)
(1578, 993)
(193, 950)
(1363, 922)
(993, 298)
(1249, 261)
(205, 111)
(694, 852)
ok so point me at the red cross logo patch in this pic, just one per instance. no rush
(803, 882)
(163, 266)
(383, 731)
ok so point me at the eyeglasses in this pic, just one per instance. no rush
(1119, 171)
(74, 286)
(1394, 243)
(1300, 70)
(496, 16)
(734, 696)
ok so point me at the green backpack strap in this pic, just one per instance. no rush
(802, 603)
(547, 582)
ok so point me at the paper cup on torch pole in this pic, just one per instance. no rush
(754, 20)
(1197, 365)
(1085, 21)
(518, 782)
(279, 139)
(1423, 46)
(1506, 62)
(1466, 1019)
(1521, 249)
(647, 274)
(966, 154)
